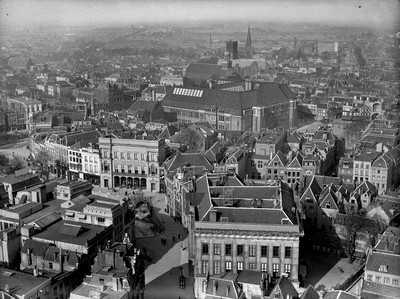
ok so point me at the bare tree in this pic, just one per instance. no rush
(189, 137)
(350, 227)
(16, 163)
(42, 158)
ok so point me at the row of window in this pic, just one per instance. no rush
(251, 250)
(386, 280)
(130, 156)
(91, 168)
(251, 266)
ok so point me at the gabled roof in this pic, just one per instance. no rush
(366, 186)
(215, 152)
(313, 189)
(328, 196)
(278, 157)
(310, 293)
(186, 159)
(286, 288)
(296, 162)
(223, 288)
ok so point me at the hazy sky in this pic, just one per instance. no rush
(104, 12)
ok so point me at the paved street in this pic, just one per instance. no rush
(162, 272)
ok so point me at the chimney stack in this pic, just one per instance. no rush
(215, 287)
(61, 261)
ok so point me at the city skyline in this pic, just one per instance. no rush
(372, 13)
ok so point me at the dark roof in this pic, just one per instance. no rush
(203, 71)
(377, 259)
(372, 290)
(310, 293)
(250, 277)
(190, 159)
(230, 101)
(47, 220)
(331, 294)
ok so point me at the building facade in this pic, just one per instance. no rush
(131, 162)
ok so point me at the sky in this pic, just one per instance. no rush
(374, 13)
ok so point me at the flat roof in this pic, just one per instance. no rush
(12, 179)
(20, 283)
(89, 231)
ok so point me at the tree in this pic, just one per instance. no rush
(190, 137)
(16, 163)
(350, 227)
(42, 158)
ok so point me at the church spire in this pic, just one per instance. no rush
(248, 40)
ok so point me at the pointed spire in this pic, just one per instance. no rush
(248, 40)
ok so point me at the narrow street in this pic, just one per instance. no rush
(163, 268)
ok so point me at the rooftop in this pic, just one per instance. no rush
(87, 291)
(20, 283)
(87, 232)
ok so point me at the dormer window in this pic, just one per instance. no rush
(328, 205)
(383, 268)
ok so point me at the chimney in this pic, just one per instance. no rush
(213, 215)
(108, 244)
(386, 245)
(36, 271)
(61, 261)
(228, 288)
(247, 85)
(215, 287)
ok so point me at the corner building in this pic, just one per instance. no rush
(131, 163)
(244, 228)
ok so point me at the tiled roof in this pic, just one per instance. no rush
(202, 71)
(250, 277)
(377, 259)
(205, 204)
(190, 159)
(286, 288)
(373, 290)
(37, 248)
(310, 293)
(222, 288)
(339, 295)
(390, 240)
(258, 192)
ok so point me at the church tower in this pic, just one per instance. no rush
(248, 40)
(249, 47)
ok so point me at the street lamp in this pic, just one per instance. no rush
(182, 279)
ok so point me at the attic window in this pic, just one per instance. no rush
(383, 268)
